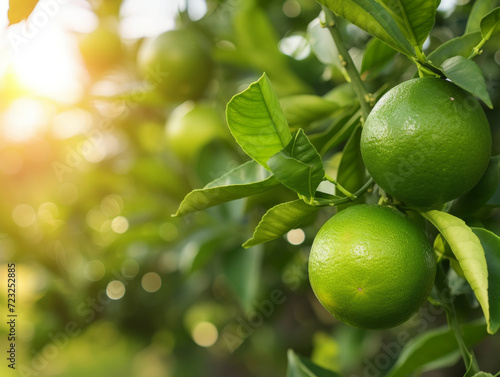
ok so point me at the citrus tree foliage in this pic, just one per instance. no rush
(226, 221)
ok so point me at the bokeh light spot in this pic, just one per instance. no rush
(130, 268)
(291, 8)
(168, 232)
(94, 270)
(24, 215)
(151, 282)
(205, 334)
(119, 225)
(296, 236)
(115, 290)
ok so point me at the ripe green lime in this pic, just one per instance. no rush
(371, 267)
(192, 125)
(177, 63)
(426, 142)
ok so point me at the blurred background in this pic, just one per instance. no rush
(100, 140)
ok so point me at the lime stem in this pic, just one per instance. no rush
(339, 187)
(358, 85)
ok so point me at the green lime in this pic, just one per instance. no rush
(177, 63)
(371, 267)
(426, 142)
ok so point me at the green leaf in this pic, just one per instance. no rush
(479, 9)
(339, 131)
(466, 74)
(20, 10)
(415, 18)
(457, 46)
(372, 18)
(490, 24)
(377, 55)
(302, 109)
(302, 367)
(257, 122)
(491, 246)
(245, 180)
(478, 196)
(351, 174)
(279, 220)
(432, 346)
(468, 250)
(483, 374)
(242, 271)
(298, 166)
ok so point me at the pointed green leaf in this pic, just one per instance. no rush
(298, 166)
(302, 109)
(377, 55)
(302, 367)
(466, 74)
(351, 174)
(415, 18)
(490, 24)
(279, 220)
(457, 46)
(339, 131)
(372, 18)
(479, 9)
(433, 345)
(468, 250)
(491, 245)
(257, 122)
(245, 180)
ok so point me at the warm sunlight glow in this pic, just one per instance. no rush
(24, 119)
(48, 66)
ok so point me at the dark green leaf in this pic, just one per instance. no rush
(20, 10)
(245, 180)
(415, 18)
(257, 122)
(478, 196)
(457, 46)
(490, 24)
(298, 166)
(302, 367)
(372, 18)
(468, 251)
(351, 174)
(377, 55)
(495, 198)
(479, 9)
(302, 109)
(466, 74)
(279, 220)
(434, 345)
(491, 246)
(242, 270)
